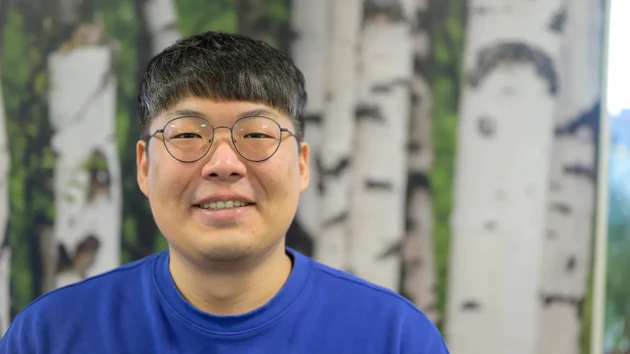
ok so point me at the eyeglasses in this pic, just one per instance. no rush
(188, 139)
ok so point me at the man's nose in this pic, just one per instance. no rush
(224, 162)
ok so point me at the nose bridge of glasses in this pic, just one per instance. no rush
(216, 137)
(214, 131)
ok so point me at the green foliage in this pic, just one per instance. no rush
(447, 23)
(197, 16)
(618, 287)
(161, 244)
(265, 20)
(24, 48)
(587, 305)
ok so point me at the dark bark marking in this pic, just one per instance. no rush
(410, 223)
(487, 126)
(414, 147)
(386, 87)
(375, 10)
(415, 180)
(366, 111)
(393, 250)
(567, 300)
(325, 173)
(414, 263)
(86, 249)
(299, 239)
(581, 170)
(293, 34)
(471, 305)
(490, 58)
(589, 119)
(432, 307)
(313, 118)
(341, 217)
(561, 208)
(559, 20)
(97, 167)
(571, 262)
(373, 184)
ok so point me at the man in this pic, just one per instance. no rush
(223, 164)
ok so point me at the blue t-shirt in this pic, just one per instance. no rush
(136, 308)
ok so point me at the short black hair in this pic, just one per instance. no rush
(222, 66)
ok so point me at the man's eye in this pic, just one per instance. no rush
(186, 136)
(257, 135)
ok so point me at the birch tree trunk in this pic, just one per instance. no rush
(380, 159)
(5, 250)
(309, 50)
(161, 19)
(571, 210)
(334, 167)
(88, 192)
(157, 30)
(501, 182)
(418, 268)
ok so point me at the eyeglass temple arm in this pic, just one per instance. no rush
(288, 131)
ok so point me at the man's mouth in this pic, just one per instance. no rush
(223, 205)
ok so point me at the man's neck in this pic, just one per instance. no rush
(230, 291)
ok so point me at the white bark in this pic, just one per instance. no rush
(331, 247)
(161, 17)
(310, 22)
(5, 289)
(83, 116)
(380, 156)
(5, 251)
(501, 180)
(418, 282)
(566, 252)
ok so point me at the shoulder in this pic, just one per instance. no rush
(114, 282)
(413, 331)
(80, 303)
(348, 285)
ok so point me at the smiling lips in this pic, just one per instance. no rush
(218, 211)
(219, 205)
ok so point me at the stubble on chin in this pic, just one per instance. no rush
(225, 252)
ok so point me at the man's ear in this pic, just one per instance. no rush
(142, 166)
(304, 164)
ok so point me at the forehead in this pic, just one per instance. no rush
(219, 112)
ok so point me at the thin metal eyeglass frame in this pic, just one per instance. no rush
(231, 129)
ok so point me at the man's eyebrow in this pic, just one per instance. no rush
(261, 112)
(184, 112)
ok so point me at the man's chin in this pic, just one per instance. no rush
(226, 253)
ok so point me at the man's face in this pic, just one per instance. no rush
(175, 189)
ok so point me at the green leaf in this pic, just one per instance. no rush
(41, 83)
(160, 243)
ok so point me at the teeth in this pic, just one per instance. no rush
(223, 204)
